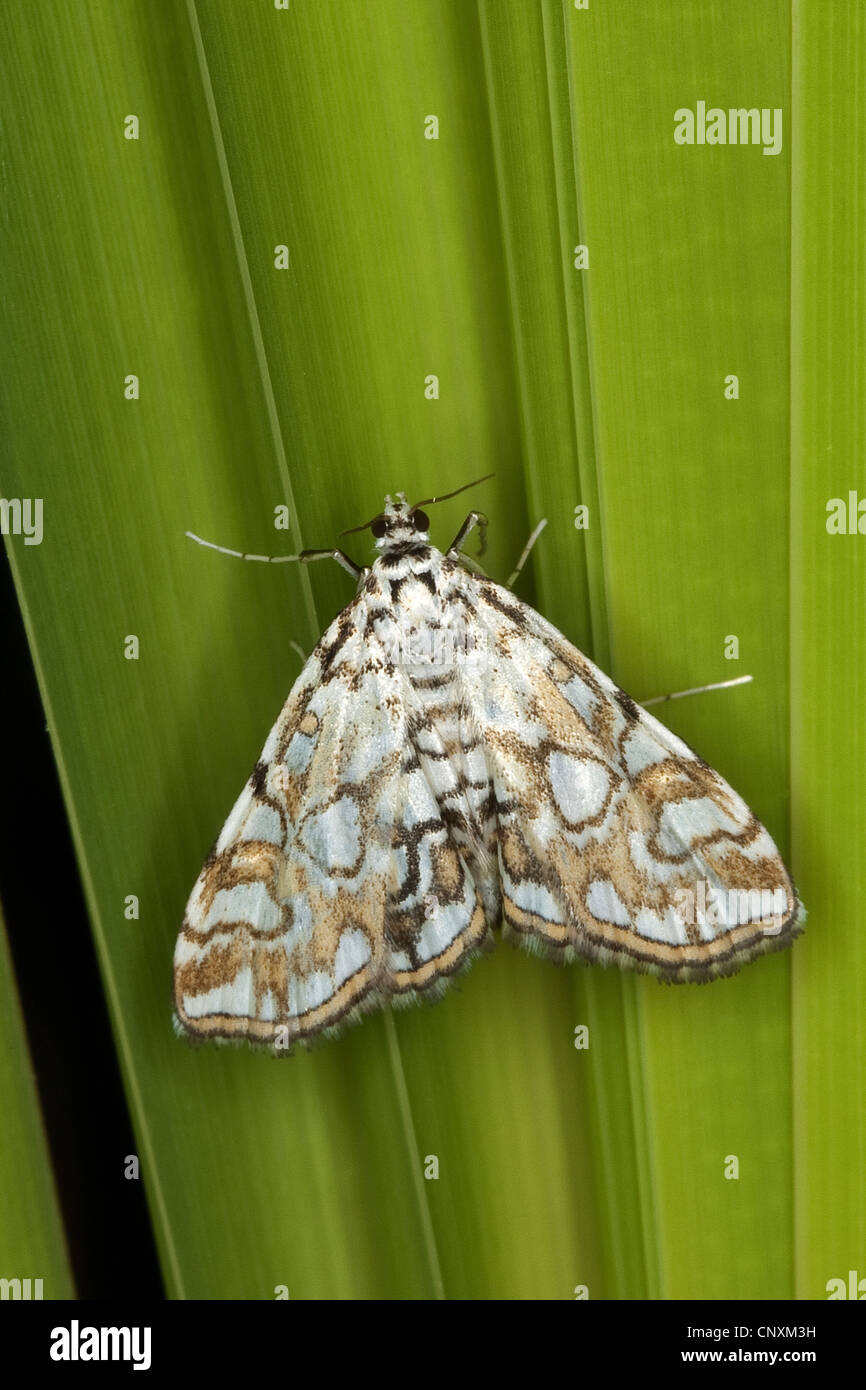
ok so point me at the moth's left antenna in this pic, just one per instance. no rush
(428, 501)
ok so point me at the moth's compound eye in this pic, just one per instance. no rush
(379, 527)
(420, 520)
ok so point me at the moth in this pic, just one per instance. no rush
(448, 763)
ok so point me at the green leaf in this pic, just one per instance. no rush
(31, 1237)
(688, 284)
(828, 646)
(309, 388)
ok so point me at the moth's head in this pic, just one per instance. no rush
(399, 521)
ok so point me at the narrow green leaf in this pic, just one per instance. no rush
(828, 655)
(688, 283)
(31, 1232)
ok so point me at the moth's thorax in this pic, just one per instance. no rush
(410, 555)
(404, 585)
(413, 621)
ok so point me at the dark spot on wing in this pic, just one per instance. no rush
(627, 705)
(498, 599)
(259, 778)
(344, 630)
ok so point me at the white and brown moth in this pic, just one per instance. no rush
(447, 762)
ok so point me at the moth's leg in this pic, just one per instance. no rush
(524, 554)
(696, 690)
(240, 554)
(473, 519)
(307, 556)
(304, 558)
(471, 565)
